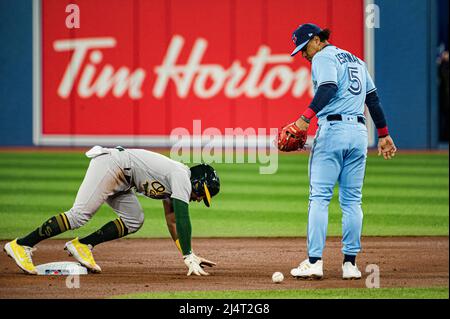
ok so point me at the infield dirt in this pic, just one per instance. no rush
(150, 265)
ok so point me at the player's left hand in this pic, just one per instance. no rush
(193, 263)
(291, 138)
(386, 147)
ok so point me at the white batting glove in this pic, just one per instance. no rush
(205, 262)
(193, 263)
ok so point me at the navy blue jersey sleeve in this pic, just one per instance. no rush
(323, 96)
(377, 113)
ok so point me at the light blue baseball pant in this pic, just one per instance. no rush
(338, 155)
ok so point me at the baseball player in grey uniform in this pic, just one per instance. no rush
(114, 176)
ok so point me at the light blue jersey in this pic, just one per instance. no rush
(349, 73)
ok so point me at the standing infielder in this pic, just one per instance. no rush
(112, 176)
(342, 85)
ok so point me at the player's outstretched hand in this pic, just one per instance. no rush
(193, 264)
(386, 147)
(205, 262)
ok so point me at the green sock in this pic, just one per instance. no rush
(52, 227)
(112, 230)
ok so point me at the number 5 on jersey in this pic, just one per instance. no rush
(356, 86)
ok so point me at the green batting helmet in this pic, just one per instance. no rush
(205, 182)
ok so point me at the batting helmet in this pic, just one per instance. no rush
(205, 182)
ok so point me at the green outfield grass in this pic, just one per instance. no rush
(408, 195)
(342, 293)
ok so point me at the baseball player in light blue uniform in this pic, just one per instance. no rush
(342, 86)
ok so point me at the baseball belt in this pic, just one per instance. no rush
(338, 117)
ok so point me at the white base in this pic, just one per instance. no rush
(61, 268)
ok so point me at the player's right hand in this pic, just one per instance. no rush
(205, 262)
(193, 264)
(386, 147)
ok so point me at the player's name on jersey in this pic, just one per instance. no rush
(346, 58)
(263, 74)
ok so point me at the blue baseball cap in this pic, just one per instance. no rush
(303, 34)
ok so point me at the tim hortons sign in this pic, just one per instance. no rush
(268, 75)
(135, 70)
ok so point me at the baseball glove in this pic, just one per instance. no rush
(291, 138)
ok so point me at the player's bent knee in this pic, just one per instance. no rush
(350, 205)
(323, 200)
(77, 217)
(322, 195)
(134, 224)
(350, 196)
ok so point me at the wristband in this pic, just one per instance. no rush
(309, 113)
(383, 132)
(304, 118)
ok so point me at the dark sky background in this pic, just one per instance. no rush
(443, 22)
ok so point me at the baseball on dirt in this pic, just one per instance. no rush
(277, 277)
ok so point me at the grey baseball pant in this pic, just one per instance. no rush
(105, 181)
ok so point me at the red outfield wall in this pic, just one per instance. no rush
(143, 67)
